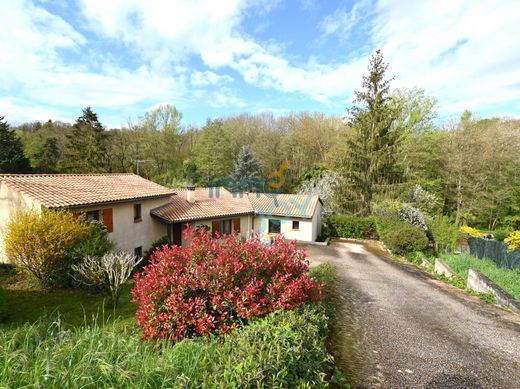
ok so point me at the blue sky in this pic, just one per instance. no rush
(217, 58)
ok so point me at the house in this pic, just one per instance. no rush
(137, 212)
(121, 201)
(297, 217)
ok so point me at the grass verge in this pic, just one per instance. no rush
(509, 280)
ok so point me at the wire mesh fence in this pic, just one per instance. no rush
(496, 251)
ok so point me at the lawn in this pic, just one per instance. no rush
(509, 280)
(27, 302)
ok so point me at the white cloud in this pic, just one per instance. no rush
(206, 78)
(463, 52)
(341, 22)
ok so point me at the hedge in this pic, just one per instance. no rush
(401, 237)
(354, 227)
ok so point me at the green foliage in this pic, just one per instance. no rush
(400, 237)
(38, 241)
(509, 280)
(47, 157)
(372, 151)
(284, 349)
(512, 221)
(445, 233)
(355, 227)
(159, 243)
(212, 152)
(87, 147)
(95, 244)
(502, 233)
(12, 157)
(3, 304)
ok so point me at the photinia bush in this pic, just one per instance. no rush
(215, 285)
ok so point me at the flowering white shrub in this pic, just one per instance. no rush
(109, 272)
(412, 215)
(325, 187)
(423, 199)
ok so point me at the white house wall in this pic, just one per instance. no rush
(128, 235)
(305, 232)
(10, 202)
(316, 222)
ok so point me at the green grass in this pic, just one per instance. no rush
(26, 302)
(509, 280)
(284, 349)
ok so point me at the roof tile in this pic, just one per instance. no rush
(68, 190)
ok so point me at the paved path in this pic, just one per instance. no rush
(400, 328)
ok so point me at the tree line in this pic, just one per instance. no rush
(388, 142)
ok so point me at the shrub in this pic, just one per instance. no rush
(513, 240)
(94, 244)
(401, 237)
(3, 304)
(445, 233)
(355, 227)
(470, 231)
(159, 243)
(214, 285)
(109, 272)
(38, 242)
(512, 222)
(285, 349)
(502, 234)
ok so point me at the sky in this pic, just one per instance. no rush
(218, 58)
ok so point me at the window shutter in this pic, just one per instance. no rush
(215, 227)
(108, 220)
(236, 225)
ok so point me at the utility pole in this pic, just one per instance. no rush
(138, 161)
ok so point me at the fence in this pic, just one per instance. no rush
(496, 251)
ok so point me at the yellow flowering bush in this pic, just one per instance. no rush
(37, 241)
(470, 231)
(513, 240)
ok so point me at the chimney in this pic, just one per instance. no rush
(190, 194)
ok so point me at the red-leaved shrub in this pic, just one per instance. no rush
(215, 285)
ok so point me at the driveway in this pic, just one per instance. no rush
(397, 327)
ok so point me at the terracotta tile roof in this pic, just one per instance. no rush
(291, 205)
(69, 190)
(209, 203)
(218, 202)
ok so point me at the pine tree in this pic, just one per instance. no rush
(87, 145)
(372, 150)
(246, 165)
(47, 157)
(12, 157)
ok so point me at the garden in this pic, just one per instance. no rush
(219, 313)
(413, 228)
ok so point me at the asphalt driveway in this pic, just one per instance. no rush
(399, 328)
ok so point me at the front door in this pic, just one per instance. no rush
(177, 233)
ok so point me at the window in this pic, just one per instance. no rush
(274, 226)
(93, 215)
(138, 252)
(137, 213)
(295, 225)
(226, 226)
